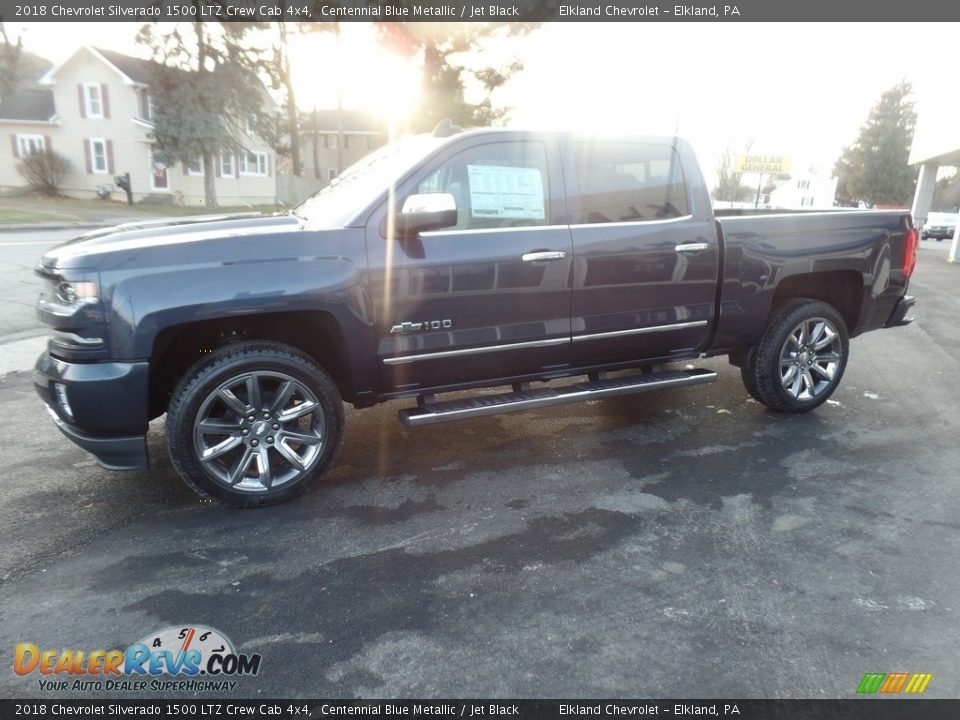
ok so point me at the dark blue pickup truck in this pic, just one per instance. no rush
(539, 263)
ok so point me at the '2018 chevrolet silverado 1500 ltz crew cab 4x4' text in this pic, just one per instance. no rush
(441, 263)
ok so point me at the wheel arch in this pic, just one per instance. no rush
(179, 347)
(841, 289)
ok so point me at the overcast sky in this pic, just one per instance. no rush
(801, 90)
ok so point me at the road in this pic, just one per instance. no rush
(685, 543)
(20, 332)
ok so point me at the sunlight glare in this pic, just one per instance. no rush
(370, 77)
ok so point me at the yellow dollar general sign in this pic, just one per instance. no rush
(893, 683)
(763, 164)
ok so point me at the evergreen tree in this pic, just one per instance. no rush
(875, 167)
(206, 94)
(946, 196)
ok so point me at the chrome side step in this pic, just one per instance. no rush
(430, 411)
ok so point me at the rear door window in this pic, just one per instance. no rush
(628, 182)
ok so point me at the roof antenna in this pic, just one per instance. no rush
(446, 128)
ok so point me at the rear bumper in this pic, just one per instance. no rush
(899, 315)
(108, 406)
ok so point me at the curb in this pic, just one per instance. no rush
(20, 227)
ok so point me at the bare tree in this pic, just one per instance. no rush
(730, 185)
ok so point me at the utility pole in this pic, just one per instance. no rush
(339, 106)
(316, 140)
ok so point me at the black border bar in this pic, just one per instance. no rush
(477, 709)
(638, 11)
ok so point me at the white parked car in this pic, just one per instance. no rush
(940, 225)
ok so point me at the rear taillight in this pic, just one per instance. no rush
(910, 239)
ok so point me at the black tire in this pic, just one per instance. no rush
(749, 380)
(264, 377)
(809, 386)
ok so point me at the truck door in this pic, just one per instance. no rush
(487, 297)
(645, 268)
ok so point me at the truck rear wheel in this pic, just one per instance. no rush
(254, 424)
(800, 358)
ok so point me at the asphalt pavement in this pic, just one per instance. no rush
(21, 336)
(686, 543)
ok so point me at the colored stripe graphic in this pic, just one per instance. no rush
(918, 682)
(871, 682)
(894, 683)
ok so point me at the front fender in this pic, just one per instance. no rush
(144, 305)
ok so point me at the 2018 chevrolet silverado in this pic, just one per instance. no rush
(442, 263)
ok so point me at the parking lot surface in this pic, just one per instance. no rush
(677, 544)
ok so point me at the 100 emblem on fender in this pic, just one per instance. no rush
(409, 327)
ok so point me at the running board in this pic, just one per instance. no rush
(430, 411)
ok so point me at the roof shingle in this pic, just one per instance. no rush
(27, 104)
(134, 68)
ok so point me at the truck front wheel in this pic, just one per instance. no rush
(254, 424)
(801, 357)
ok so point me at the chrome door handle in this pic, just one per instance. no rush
(692, 247)
(543, 255)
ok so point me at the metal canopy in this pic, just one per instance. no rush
(936, 144)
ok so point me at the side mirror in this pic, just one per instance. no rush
(425, 212)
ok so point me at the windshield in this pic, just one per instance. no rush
(365, 180)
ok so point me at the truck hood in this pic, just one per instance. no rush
(88, 249)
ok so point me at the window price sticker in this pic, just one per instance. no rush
(497, 191)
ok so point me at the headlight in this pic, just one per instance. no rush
(65, 293)
(80, 291)
(70, 304)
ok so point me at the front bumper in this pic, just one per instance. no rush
(108, 407)
(113, 453)
(899, 315)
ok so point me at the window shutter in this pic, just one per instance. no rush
(83, 101)
(110, 157)
(16, 146)
(269, 164)
(185, 171)
(47, 145)
(236, 165)
(218, 161)
(104, 101)
(86, 156)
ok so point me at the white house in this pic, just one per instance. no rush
(805, 191)
(97, 113)
(322, 159)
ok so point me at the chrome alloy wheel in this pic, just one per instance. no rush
(810, 358)
(258, 431)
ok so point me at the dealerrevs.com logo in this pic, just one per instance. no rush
(200, 657)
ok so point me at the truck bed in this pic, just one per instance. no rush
(858, 249)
